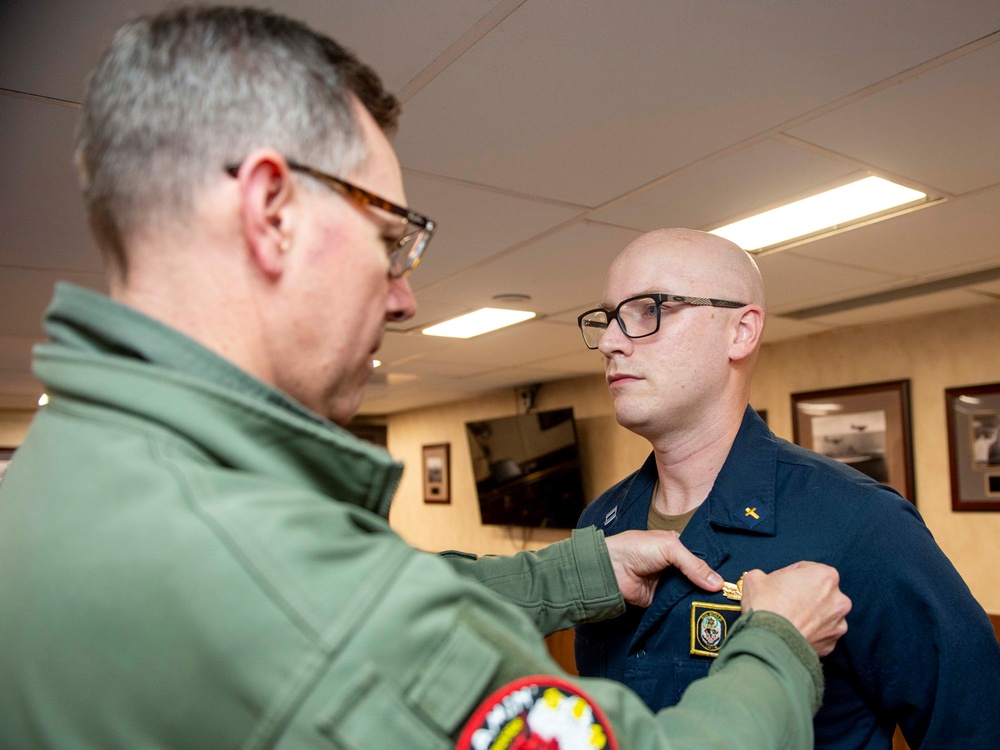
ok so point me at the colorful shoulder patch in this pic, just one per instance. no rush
(538, 713)
(710, 623)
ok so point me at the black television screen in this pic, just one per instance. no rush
(527, 469)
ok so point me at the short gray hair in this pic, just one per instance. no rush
(179, 95)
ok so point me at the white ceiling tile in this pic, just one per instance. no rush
(474, 224)
(26, 294)
(510, 377)
(754, 177)
(939, 128)
(15, 352)
(398, 38)
(792, 282)
(567, 269)
(584, 105)
(947, 238)
(42, 221)
(435, 367)
(402, 347)
(521, 344)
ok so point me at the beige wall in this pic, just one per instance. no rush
(14, 425)
(934, 352)
(457, 525)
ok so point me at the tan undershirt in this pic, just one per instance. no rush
(662, 521)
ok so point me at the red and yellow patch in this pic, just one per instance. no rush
(538, 713)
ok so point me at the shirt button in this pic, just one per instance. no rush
(640, 655)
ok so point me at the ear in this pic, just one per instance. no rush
(267, 193)
(747, 333)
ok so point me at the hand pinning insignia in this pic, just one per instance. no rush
(733, 591)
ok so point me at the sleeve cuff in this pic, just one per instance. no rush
(595, 572)
(799, 646)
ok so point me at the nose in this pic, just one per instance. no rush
(613, 339)
(401, 304)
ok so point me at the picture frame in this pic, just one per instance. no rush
(973, 414)
(6, 454)
(437, 473)
(865, 426)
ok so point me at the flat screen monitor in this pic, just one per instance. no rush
(527, 469)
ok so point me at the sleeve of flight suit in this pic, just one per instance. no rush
(564, 584)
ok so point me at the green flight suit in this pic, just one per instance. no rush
(190, 559)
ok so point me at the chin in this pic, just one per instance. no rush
(630, 419)
(343, 409)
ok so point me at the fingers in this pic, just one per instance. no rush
(808, 595)
(696, 569)
(638, 558)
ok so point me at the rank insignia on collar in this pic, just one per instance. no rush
(710, 623)
(535, 713)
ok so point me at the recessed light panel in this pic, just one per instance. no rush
(476, 323)
(841, 205)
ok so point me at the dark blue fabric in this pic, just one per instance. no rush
(920, 651)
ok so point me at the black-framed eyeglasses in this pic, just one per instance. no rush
(639, 316)
(406, 250)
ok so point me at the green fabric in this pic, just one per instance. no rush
(564, 584)
(787, 632)
(189, 559)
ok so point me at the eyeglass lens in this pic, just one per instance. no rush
(406, 255)
(637, 318)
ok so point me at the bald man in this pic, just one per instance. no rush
(680, 328)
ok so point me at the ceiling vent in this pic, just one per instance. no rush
(892, 295)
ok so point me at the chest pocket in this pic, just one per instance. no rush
(369, 710)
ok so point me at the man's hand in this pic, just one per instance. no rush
(639, 556)
(808, 595)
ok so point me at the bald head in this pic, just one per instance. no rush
(696, 264)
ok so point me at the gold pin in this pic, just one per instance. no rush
(733, 591)
(752, 512)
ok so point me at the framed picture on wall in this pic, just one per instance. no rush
(866, 427)
(5, 455)
(437, 473)
(973, 414)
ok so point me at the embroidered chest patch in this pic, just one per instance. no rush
(538, 713)
(710, 623)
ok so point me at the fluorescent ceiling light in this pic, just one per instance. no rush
(846, 203)
(475, 323)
